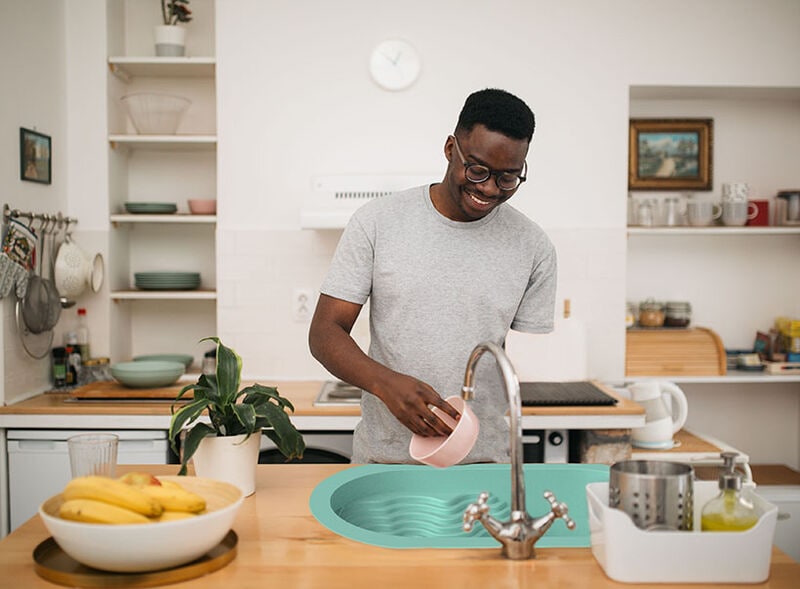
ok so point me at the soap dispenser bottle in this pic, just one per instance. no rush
(729, 511)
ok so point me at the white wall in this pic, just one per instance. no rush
(32, 64)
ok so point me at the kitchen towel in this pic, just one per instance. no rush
(16, 258)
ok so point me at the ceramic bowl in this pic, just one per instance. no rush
(128, 548)
(147, 373)
(200, 206)
(185, 359)
(442, 451)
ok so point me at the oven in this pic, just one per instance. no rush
(322, 447)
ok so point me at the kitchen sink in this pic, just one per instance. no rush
(410, 506)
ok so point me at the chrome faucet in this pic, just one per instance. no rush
(521, 532)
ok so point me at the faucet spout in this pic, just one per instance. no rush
(521, 532)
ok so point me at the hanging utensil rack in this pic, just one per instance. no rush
(59, 219)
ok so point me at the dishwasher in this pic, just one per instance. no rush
(38, 463)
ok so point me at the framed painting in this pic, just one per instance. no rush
(670, 154)
(34, 156)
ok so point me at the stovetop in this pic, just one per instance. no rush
(336, 392)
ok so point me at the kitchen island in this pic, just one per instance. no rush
(282, 545)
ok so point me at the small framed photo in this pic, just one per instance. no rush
(670, 154)
(34, 156)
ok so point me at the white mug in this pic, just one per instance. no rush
(735, 191)
(737, 213)
(701, 213)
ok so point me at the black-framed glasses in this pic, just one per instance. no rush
(478, 173)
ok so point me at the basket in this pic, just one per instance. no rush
(155, 114)
(631, 555)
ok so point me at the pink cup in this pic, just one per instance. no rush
(442, 451)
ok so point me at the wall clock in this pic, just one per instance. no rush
(394, 64)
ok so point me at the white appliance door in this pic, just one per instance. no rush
(38, 463)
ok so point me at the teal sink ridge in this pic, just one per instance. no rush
(410, 506)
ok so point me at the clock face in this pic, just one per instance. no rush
(394, 64)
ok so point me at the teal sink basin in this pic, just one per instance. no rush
(408, 506)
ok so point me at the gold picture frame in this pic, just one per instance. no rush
(670, 154)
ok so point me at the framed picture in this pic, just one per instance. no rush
(34, 156)
(670, 154)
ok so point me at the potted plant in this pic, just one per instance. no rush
(170, 38)
(237, 420)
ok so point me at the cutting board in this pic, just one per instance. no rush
(114, 390)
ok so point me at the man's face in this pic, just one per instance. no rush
(466, 200)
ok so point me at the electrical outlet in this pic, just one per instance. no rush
(302, 304)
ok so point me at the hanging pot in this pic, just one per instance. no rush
(232, 459)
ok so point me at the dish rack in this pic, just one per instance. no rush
(631, 555)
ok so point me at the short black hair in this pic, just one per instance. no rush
(497, 110)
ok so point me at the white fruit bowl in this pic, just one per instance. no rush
(133, 548)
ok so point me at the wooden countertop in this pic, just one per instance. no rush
(301, 393)
(282, 545)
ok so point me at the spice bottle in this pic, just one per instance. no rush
(59, 367)
(729, 511)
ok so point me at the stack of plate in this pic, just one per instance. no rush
(167, 280)
(150, 208)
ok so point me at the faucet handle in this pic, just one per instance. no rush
(475, 511)
(559, 509)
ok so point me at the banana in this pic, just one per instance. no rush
(98, 512)
(175, 499)
(169, 484)
(114, 492)
(169, 516)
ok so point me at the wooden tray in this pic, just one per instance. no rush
(696, 351)
(113, 390)
(54, 565)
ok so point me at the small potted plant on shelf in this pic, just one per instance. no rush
(170, 38)
(227, 448)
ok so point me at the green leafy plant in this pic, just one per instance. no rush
(232, 411)
(175, 11)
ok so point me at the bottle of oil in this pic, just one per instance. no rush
(729, 511)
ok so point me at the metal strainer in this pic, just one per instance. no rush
(656, 495)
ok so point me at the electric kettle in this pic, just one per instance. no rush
(665, 409)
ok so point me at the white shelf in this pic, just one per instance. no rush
(162, 67)
(153, 295)
(164, 142)
(168, 218)
(782, 230)
(732, 377)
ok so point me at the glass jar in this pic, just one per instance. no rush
(630, 315)
(678, 314)
(95, 370)
(651, 313)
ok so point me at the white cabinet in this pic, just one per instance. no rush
(738, 280)
(170, 168)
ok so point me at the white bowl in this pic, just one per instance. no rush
(128, 548)
(155, 114)
(147, 373)
(442, 451)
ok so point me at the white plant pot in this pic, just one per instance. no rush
(230, 459)
(170, 41)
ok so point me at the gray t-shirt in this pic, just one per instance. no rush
(438, 288)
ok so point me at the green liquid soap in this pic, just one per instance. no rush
(729, 511)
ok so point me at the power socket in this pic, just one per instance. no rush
(302, 304)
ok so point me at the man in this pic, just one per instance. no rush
(447, 266)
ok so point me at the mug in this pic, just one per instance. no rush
(735, 191)
(762, 216)
(701, 213)
(666, 410)
(737, 212)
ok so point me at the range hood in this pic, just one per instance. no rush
(334, 198)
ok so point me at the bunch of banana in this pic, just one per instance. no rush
(133, 498)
